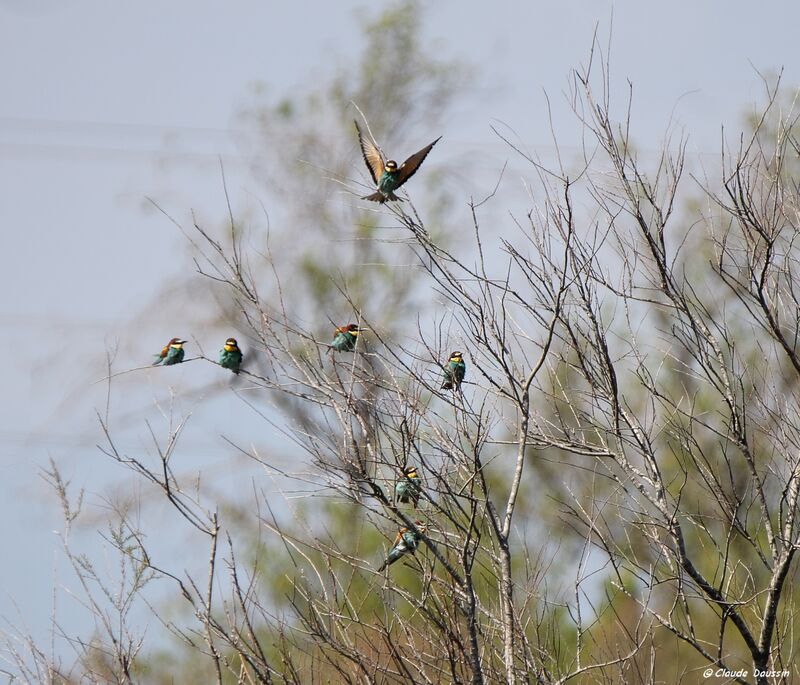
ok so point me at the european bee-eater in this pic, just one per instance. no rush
(345, 337)
(230, 356)
(408, 487)
(454, 372)
(387, 176)
(406, 542)
(172, 353)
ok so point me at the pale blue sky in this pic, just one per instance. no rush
(106, 103)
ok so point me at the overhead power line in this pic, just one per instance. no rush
(70, 141)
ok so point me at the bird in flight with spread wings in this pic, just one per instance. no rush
(387, 176)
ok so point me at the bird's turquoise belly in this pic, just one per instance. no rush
(387, 182)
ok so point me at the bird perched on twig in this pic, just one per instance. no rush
(408, 488)
(406, 542)
(454, 372)
(345, 337)
(171, 353)
(387, 176)
(230, 356)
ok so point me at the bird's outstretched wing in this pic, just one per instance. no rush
(410, 166)
(372, 156)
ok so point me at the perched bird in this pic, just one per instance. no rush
(230, 356)
(344, 338)
(388, 177)
(172, 353)
(405, 542)
(454, 372)
(408, 487)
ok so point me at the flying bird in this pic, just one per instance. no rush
(408, 488)
(230, 356)
(345, 337)
(171, 353)
(454, 372)
(387, 176)
(406, 542)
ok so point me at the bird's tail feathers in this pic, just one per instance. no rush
(393, 556)
(380, 197)
(375, 197)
